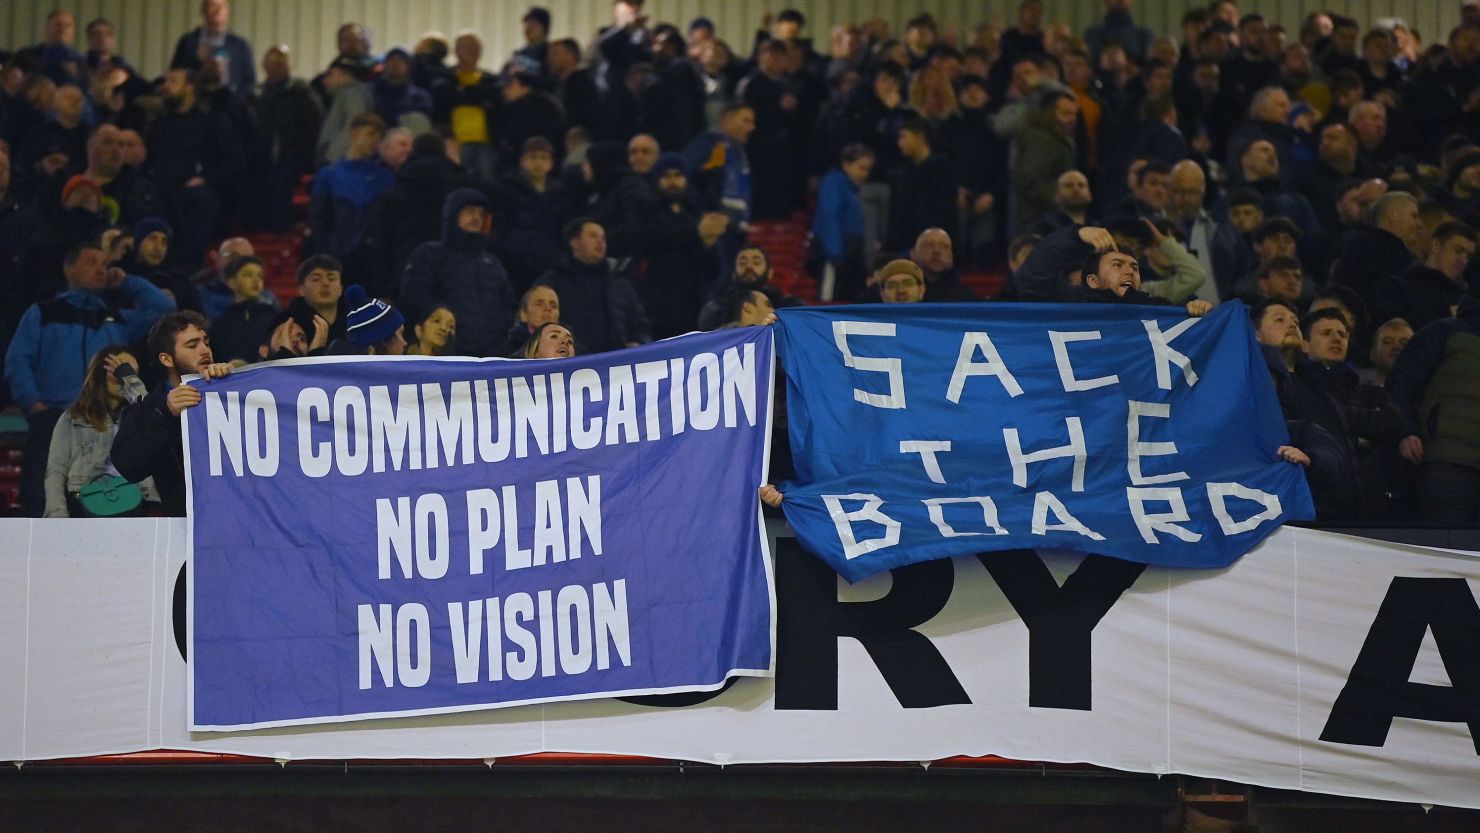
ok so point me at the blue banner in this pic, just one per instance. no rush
(925, 431)
(378, 537)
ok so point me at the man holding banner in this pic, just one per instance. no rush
(148, 442)
(460, 534)
(1128, 431)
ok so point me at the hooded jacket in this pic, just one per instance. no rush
(459, 270)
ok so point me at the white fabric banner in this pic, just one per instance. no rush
(1317, 662)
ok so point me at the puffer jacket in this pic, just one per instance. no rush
(460, 272)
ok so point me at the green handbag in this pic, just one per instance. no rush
(110, 497)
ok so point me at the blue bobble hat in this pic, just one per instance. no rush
(371, 320)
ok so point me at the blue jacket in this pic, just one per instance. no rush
(839, 214)
(55, 339)
(392, 101)
(720, 171)
(341, 200)
(241, 69)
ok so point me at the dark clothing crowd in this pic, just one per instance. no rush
(597, 193)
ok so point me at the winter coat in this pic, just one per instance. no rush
(839, 215)
(526, 226)
(48, 356)
(1040, 154)
(340, 203)
(677, 266)
(241, 70)
(1436, 385)
(598, 304)
(407, 215)
(923, 196)
(241, 329)
(1368, 256)
(459, 271)
(148, 445)
(394, 101)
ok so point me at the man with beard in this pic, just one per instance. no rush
(675, 243)
(752, 269)
(149, 441)
(1071, 198)
(397, 100)
(1107, 274)
(193, 159)
(597, 299)
(1336, 162)
(932, 253)
(152, 236)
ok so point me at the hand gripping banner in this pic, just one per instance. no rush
(924, 431)
(380, 537)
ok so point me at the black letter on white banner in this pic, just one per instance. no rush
(1378, 690)
(1060, 620)
(810, 620)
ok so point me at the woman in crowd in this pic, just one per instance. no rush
(434, 334)
(550, 341)
(83, 437)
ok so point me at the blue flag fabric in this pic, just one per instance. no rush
(411, 536)
(924, 431)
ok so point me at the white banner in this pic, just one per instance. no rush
(1317, 662)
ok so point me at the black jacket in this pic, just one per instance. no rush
(460, 271)
(407, 215)
(598, 303)
(676, 265)
(923, 196)
(1367, 257)
(148, 444)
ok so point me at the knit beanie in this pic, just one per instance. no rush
(149, 225)
(371, 320)
(901, 267)
(667, 162)
(80, 181)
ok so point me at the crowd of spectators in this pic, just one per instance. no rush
(591, 195)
